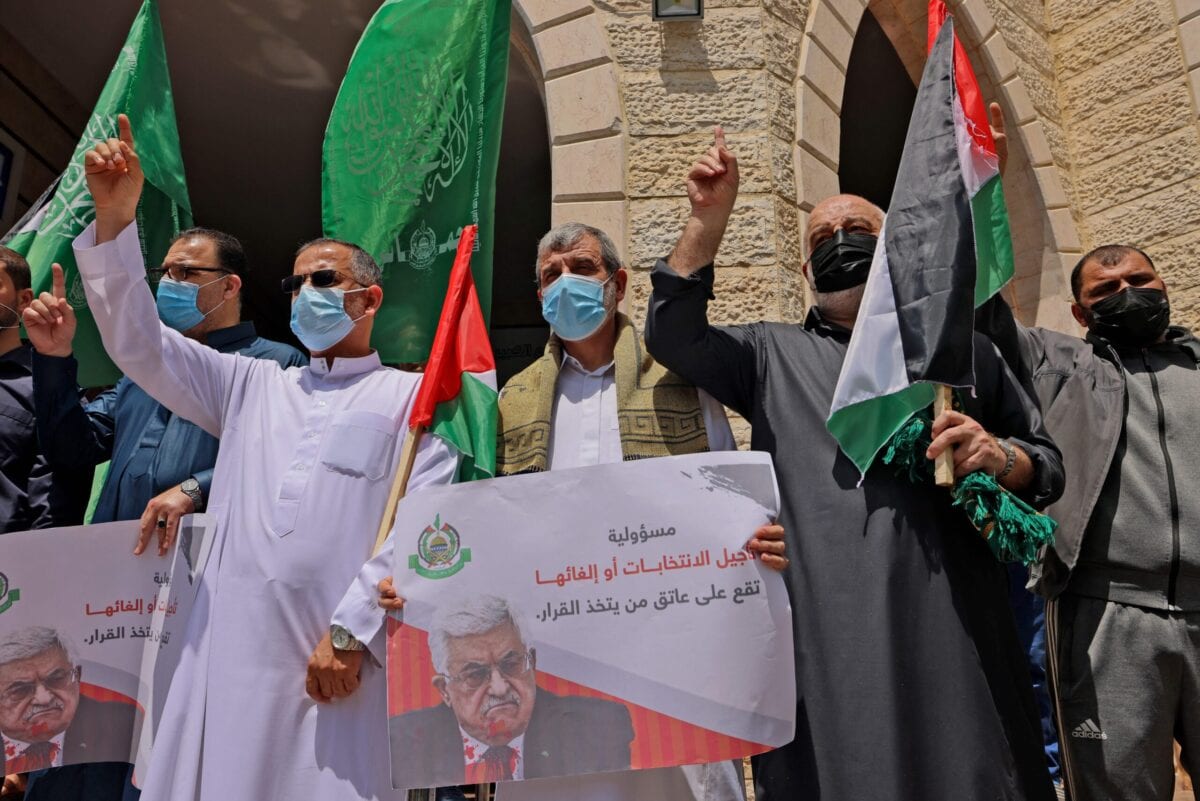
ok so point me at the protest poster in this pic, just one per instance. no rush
(89, 638)
(588, 620)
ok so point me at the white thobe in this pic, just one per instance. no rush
(586, 432)
(301, 480)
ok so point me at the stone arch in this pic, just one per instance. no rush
(584, 114)
(1045, 237)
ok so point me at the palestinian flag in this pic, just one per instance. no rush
(457, 399)
(944, 249)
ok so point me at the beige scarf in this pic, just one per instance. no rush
(658, 412)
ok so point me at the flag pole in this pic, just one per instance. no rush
(408, 456)
(943, 465)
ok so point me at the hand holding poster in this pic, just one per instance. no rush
(89, 636)
(588, 620)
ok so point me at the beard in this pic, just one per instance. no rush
(841, 305)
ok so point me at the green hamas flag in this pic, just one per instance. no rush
(410, 155)
(139, 86)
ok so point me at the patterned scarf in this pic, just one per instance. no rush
(658, 412)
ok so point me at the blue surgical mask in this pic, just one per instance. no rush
(319, 317)
(177, 303)
(574, 306)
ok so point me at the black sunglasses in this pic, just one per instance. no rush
(320, 279)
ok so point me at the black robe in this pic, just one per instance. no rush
(911, 682)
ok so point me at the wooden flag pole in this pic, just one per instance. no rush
(943, 465)
(408, 456)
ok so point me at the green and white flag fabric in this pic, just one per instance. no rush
(410, 155)
(139, 86)
(944, 250)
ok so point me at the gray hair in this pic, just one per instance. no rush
(363, 267)
(562, 237)
(475, 614)
(30, 642)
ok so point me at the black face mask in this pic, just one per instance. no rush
(842, 261)
(1136, 316)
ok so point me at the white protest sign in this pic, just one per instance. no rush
(89, 637)
(643, 634)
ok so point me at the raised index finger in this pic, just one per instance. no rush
(719, 136)
(125, 129)
(59, 281)
(997, 117)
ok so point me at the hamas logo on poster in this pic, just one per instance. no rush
(8, 595)
(439, 551)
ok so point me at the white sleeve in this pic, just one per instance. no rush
(189, 378)
(716, 422)
(359, 611)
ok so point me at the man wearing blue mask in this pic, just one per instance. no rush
(597, 397)
(161, 464)
(302, 479)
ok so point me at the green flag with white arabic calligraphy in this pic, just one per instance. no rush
(410, 155)
(139, 86)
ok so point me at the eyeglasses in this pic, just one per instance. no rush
(19, 692)
(474, 676)
(319, 278)
(182, 272)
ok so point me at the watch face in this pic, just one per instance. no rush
(191, 485)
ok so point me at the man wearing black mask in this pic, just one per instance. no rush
(1123, 575)
(906, 652)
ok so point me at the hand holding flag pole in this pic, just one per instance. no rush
(442, 378)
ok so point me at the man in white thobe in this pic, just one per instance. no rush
(575, 393)
(302, 477)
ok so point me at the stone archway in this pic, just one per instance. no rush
(584, 114)
(1046, 243)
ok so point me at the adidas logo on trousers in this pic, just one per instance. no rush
(1089, 731)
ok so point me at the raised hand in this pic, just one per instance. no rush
(114, 177)
(998, 135)
(50, 320)
(712, 183)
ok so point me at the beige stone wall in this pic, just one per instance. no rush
(1129, 119)
(1100, 97)
(736, 68)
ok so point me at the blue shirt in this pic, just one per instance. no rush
(151, 449)
(31, 495)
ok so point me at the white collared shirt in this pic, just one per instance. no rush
(586, 431)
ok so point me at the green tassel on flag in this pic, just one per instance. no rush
(1014, 530)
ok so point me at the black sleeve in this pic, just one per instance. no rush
(1021, 348)
(721, 360)
(57, 497)
(71, 435)
(1008, 410)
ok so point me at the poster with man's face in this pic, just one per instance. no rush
(79, 653)
(550, 632)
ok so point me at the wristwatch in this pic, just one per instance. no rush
(1010, 456)
(343, 640)
(191, 488)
